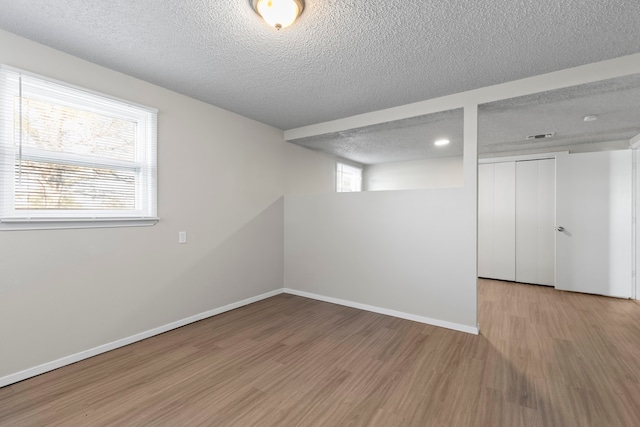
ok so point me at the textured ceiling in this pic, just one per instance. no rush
(503, 126)
(341, 58)
(400, 140)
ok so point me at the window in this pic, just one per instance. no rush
(72, 158)
(348, 178)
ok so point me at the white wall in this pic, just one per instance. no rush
(445, 172)
(314, 172)
(397, 250)
(308, 171)
(220, 178)
(412, 252)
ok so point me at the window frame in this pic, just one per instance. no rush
(144, 165)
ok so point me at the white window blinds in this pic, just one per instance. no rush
(69, 155)
(348, 178)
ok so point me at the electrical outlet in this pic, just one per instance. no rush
(182, 237)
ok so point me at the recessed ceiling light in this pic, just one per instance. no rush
(590, 118)
(278, 13)
(441, 142)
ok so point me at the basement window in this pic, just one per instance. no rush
(348, 178)
(72, 158)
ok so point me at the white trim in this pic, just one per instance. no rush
(634, 215)
(50, 366)
(18, 224)
(635, 142)
(141, 169)
(72, 86)
(68, 360)
(524, 157)
(386, 311)
(470, 169)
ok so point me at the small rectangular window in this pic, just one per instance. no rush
(73, 158)
(348, 178)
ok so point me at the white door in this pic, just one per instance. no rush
(593, 202)
(496, 221)
(535, 220)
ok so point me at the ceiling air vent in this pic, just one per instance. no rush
(541, 136)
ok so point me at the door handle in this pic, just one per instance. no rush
(560, 229)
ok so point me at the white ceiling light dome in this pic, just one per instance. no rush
(278, 13)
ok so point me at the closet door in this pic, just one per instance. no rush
(496, 221)
(535, 220)
(486, 208)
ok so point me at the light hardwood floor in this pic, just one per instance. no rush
(544, 358)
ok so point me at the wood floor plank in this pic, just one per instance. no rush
(543, 358)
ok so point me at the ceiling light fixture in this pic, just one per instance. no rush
(590, 118)
(278, 13)
(441, 142)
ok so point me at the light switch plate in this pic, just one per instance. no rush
(182, 237)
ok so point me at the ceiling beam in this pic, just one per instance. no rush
(613, 68)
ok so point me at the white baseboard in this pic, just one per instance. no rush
(50, 366)
(386, 311)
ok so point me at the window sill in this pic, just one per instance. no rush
(9, 224)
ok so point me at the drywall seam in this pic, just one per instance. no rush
(68, 360)
(386, 311)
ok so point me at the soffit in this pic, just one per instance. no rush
(503, 126)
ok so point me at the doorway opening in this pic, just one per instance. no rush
(555, 178)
